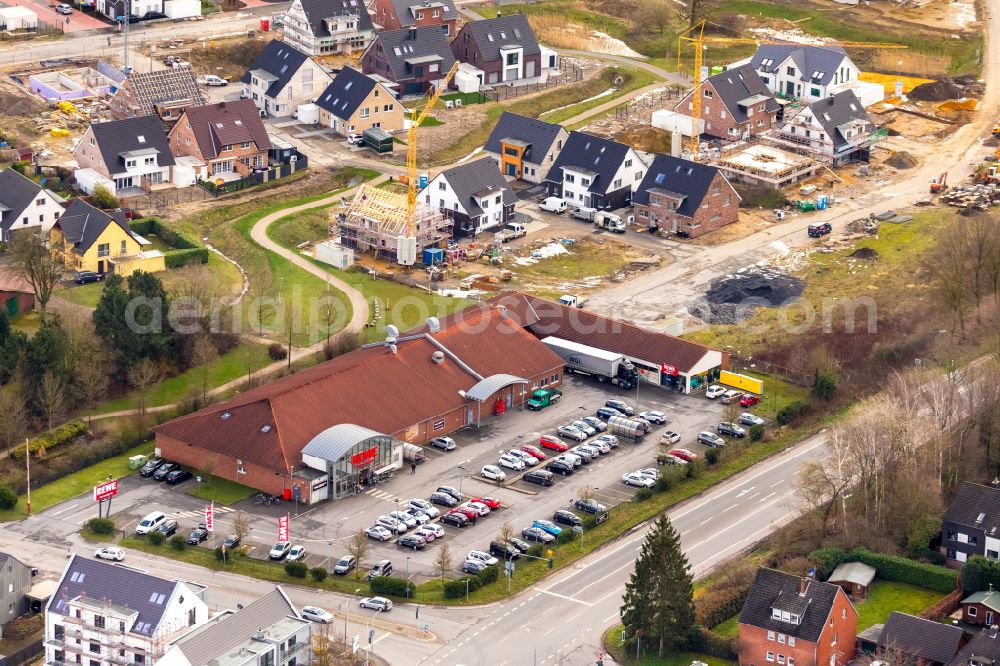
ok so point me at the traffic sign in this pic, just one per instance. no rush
(354, 644)
(106, 490)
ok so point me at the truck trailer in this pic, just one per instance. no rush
(604, 365)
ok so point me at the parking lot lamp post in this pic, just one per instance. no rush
(466, 589)
(407, 576)
(371, 629)
(461, 467)
(348, 617)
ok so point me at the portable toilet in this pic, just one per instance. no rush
(433, 256)
(265, 23)
(822, 202)
(424, 179)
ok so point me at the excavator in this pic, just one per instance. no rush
(939, 183)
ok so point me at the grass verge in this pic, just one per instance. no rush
(613, 644)
(223, 491)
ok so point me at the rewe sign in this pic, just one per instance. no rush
(106, 490)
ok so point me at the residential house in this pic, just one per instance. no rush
(354, 102)
(594, 172)
(24, 204)
(126, 156)
(803, 71)
(282, 78)
(115, 9)
(685, 198)
(105, 614)
(88, 239)
(328, 27)
(164, 92)
(229, 137)
(505, 50)
(734, 104)
(982, 608)
(855, 577)
(982, 650)
(16, 294)
(415, 59)
(396, 14)
(15, 581)
(475, 195)
(971, 524)
(267, 631)
(919, 641)
(834, 130)
(525, 148)
(788, 620)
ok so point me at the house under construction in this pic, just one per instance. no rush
(376, 221)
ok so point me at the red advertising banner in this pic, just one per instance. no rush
(668, 370)
(283, 528)
(210, 517)
(105, 491)
(366, 457)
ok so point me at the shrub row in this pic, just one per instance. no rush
(61, 435)
(792, 411)
(979, 573)
(181, 258)
(716, 606)
(301, 570)
(102, 526)
(710, 643)
(388, 585)
(889, 567)
(173, 238)
(455, 589)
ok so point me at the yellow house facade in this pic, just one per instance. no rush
(88, 239)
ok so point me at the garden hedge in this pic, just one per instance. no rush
(181, 258)
(61, 435)
(388, 585)
(712, 644)
(978, 573)
(890, 567)
(185, 250)
(716, 606)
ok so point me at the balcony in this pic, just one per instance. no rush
(292, 651)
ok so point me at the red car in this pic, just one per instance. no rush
(533, 451)
(466, 511)
(554, 443)
(684, 454)
(749, 400)
(491, 502)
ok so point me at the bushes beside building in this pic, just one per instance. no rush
(890, 567)
(185, 249)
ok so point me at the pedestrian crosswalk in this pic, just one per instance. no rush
(201, 514)
(381, 494)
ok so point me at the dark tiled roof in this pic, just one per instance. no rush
(808, 60)
(280, 60)
(544, 318)
(836, 110)
(473, 178)
(773, 589)
(118, 585)
(227, 123)
(404, 10)
(491, 34)
(982, 650)
(317, 11)
(348, 90)
(738, 84)
(537, 133)
(598, 155)
(689, 179)
(82, 224)
(399, 46)
(17, 192)
(118, 136)
(976, 506)
(920, 638)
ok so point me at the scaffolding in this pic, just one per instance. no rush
(376, 221)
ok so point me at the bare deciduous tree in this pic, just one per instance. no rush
(241, 525)
(442, 563)
(12, 417)
(91, 382)
(202, 355)
(52, 398)
(696, 11)
(35, 262)
(141, 376)
(357, 547)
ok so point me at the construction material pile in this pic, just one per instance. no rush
(974, 197)
(901, 160)
(864, 225)
(937, 91)
(734, 298)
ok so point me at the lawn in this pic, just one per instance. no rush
(886, 596)
(222, 491)
(76, 483)
(613, 641)
(730, 628)
(26, 322)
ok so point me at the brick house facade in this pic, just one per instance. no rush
(415, 58)
(228, 137)
(685, 198)
(396, 14)
(733, 104)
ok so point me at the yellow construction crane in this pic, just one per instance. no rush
(406, 252)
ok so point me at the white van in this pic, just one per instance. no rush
(553, 205)
(150, 522)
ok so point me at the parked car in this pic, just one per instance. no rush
(533, 451)
(583, 454)
(651, 472)
(819, 229)
(168, 528)
(177, 476)
(473, 567)
(746, 418)
(729, 396)
(539, 477)
(548, 526)
(443, 443)
(403, 517)
(451, 490)
(520, 544)
(419, 517)
(113, 553)
(213, 80)
(491, 502)
(166, 468)
(231, 541)
(621, 406)
(599, 444)
(571, 432)
(480, 556)
(355, 139)
(564, 517)
(391, 524)
(731, 430)
(654, 417)
(610, 439)
(571, 458)
(413, 541)
(64, 9)
(638, 480)
(380, 569)
(455, 519)
(377, 603)
(468, 512)
(149, 16)
(345, 565)
(595, 423)
(150, 522)
(711, 439)
(552, 443)
(669, 459)
(378, 532)
(494, 473)
(478, 507)
(670, 437)
(684, 454)
(560, 467)
(443, 499)
(510, 462)
(553, 205)
(430, 532)
(585, 427)
(505, 551)
(198, 534)
(607, 412)
(425, 507)
(297, 553)
(537, 535)
(314, 614)
(714, 391)
(749, 400)
(150, 467)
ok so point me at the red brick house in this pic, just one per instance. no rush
(414, 58)
(734, 104)
(788, 620)
(396, 14)
(228, 137)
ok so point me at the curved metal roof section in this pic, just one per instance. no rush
(335, 441)
(484, 388)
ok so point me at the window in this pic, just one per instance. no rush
(781, 659)
(226, 147)
(442, 185)
(139, 658)
(41, 218)
(638, 175)
(99, 621)
(833, 641)
(513, 59)
(617, 183)
(814, 92)
(570, 178)
(435, 13)
(733, 131)
(60, 631)
(124, 248)
(387, 108)
(245, 145)
(585, 182)
(104, 250)
(791, 643)
(94, 647)
(791, 661)
(770, 656)
(727, 199)
(420, 16)
(843, 614)
(628, 164)
(972, 610)
(716, 188)
(709, 94)
(511, 151)
(40, 202)
(781, 638)
(364, 112)
(121, 626)
(993, 554)
(770, 635)
(790, 71)
(952, 535)
(129, 164)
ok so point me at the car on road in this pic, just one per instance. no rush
(731, 430)
(478, 507)
(378, 532)
(423, 506)
(493, 473)
(414, 541)
(533, 451)
(819, 229)
(729, 396)
(451, 490)
(430, 532)
(391, 524)
(480, 556)
(403, 517)
(621, 406)
(714, 391)
(113, 553)
(314, 614)
(297, 553)
(560, 467)
(455, 519)
(491, 502)
(610, 439)
(510, 462)
(177, 476)
(381, 569)
(585, 427)
(213, 80)
(749, 400)
(548, 526)
(168, 528)
(637, 480)
(528, 459)
(595, 423)
(711, 439)
(150, 467)
(166, 468)
(444, 499)
(505, 551)
(150, 522)
(670, 437)
(607, 412)
(746, 418)
(540, 477)
(443, 443)
(564, 517)
(653, 416)
(345, 565)
(474, 567)
(571, 432)
(198, 534)
(590, 506)
(537, 535)
(684, 454)
(552, 443)
(377, 603)
(64, 9)
(553, 205)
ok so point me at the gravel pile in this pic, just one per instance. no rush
(733, 298)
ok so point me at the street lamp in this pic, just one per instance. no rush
(461, 467)
(407, 575)
(371, 629)
(348, 617)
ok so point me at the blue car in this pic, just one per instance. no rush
(547, 526)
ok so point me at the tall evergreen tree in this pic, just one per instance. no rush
(133, 323)
(658, 603)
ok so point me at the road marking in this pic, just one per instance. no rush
(775, 484)
(66, 509)
(730, 507)
(752, 496)
(611, 573)
(563, 596)
(707, 521)
(767, 497)
(613, 616)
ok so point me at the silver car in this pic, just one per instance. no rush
(585, 427)
(391, 524)
(572, 432)
(595, 423)
(748, 419)
(405, 518)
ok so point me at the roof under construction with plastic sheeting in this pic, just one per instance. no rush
(490, 385)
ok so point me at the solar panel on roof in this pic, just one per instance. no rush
(489, 36)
